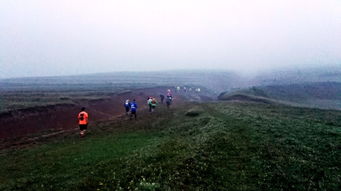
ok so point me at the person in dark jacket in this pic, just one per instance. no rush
(162, 97)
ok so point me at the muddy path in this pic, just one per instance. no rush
(27, 125)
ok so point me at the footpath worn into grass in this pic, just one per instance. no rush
(209, 146)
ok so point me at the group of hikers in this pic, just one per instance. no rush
(151, 102)
(130, 110)
(131, 107)
(188, 89)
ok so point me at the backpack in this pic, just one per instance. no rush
(81, 117)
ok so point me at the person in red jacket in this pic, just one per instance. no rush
(83, 120)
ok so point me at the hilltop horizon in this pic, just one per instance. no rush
(244, 74)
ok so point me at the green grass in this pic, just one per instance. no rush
(227, 146)
(62, 165)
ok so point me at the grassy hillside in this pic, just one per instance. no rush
(322, 94)
(208, 146)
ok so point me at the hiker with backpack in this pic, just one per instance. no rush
(83, 120)
(133, 109)
(153, 104)
(127, 106)
(169, 93)
(169, 101)
(169, 98)
(149, 102)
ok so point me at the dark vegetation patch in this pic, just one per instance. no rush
(195, 111)
(244, 97)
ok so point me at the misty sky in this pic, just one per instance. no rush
(63, 37)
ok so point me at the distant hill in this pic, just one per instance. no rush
(214, 80)
(320, 94)
(294, 76)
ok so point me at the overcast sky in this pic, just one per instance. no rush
(63, 37)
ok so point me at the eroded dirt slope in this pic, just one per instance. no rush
(49, 119)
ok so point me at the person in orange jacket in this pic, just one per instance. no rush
(83, 120)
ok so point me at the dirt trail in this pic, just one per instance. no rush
(27, 125)
(63, 116)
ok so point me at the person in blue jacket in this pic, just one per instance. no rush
(133, 109)
(127, 106)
